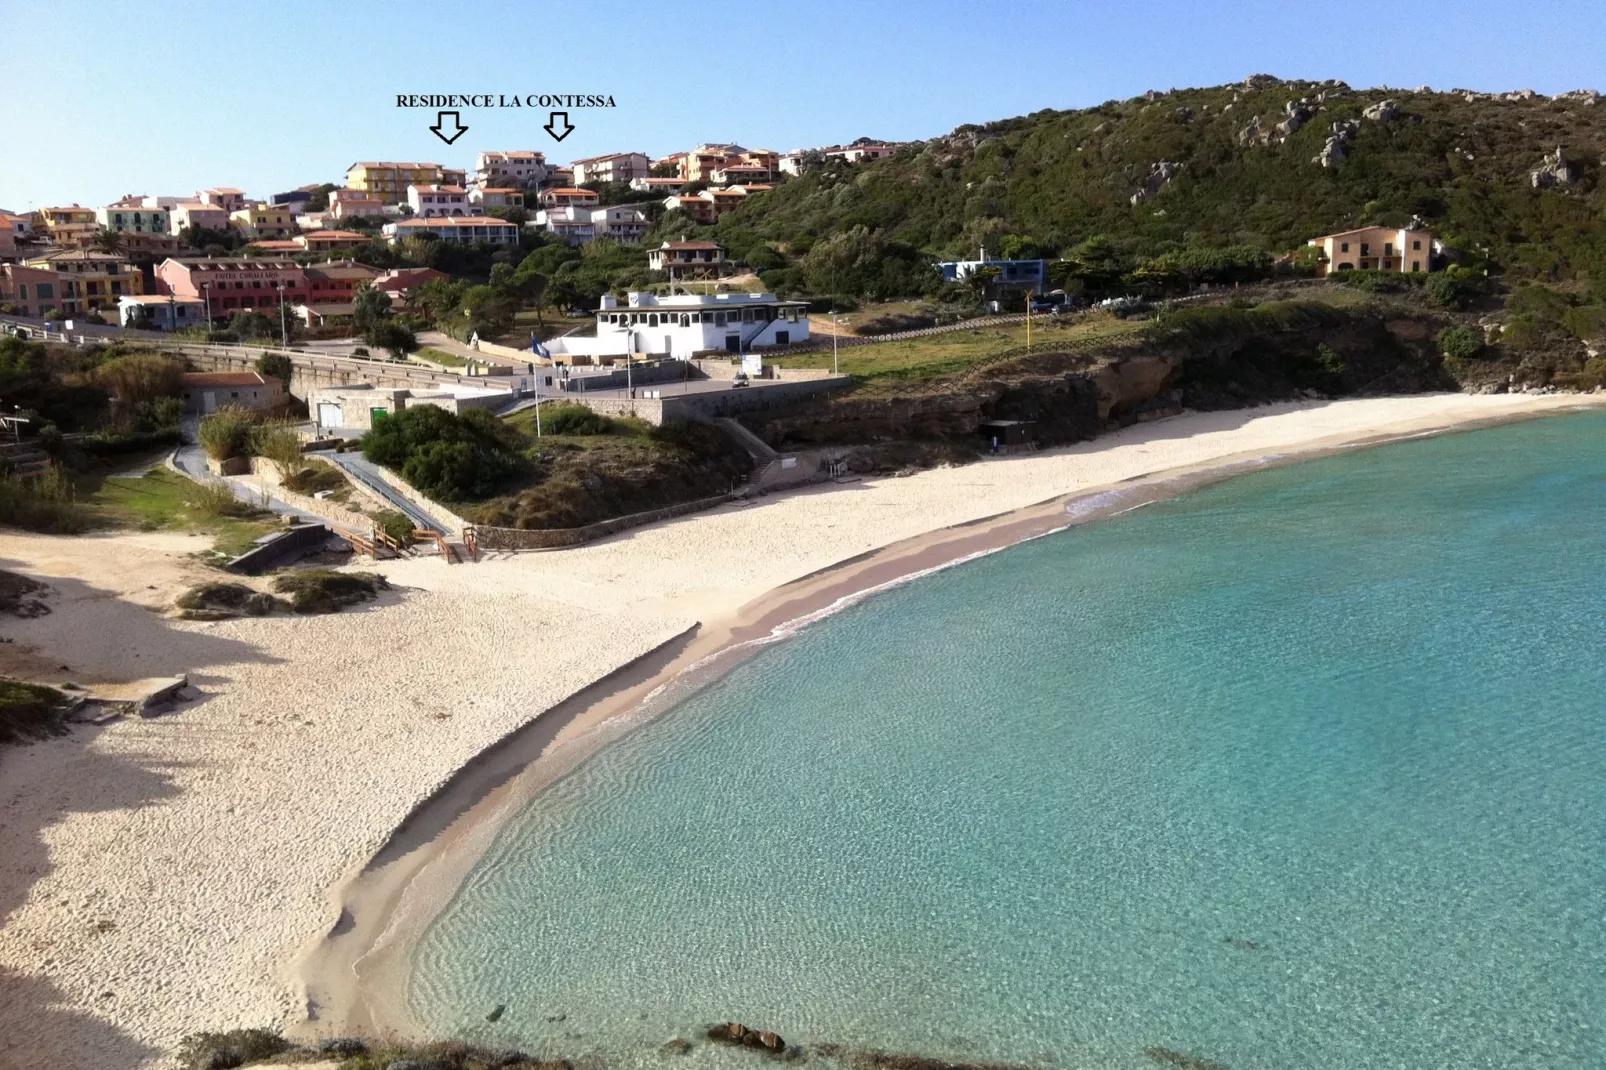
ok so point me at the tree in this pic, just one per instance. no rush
(108, 241)
(1462, 343)
(369, 308)
(139, 378)
(392, 336)
(319, 201)
(275, 366)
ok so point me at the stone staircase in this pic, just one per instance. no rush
(764, 458)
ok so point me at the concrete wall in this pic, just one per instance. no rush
(557, 538)
(706, 406)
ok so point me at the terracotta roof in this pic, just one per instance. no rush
(393, 164)
(440, 189)
(222, 379)
(572, 191)
(501, 189)
(607, 156)
(334, 235)
(690, 245)
(454, 221)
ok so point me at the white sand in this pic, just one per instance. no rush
(157, 875)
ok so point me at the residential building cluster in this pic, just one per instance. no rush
(140, 258)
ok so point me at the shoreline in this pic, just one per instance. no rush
(318, 744)
(354, 977)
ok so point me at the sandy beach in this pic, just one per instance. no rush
(161, 876)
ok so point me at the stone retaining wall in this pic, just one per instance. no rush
(558, 538)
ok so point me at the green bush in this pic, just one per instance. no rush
(325, 591)
(226, 433)
(396, 525)
(455, 458)
(219, 1051)
(29, 711)
(1587, 322)
(575, 420)
(1462, 343)
(217, 500)
(315, 475)
(280, 444)
(1447, 290)
(113, 443)
(42, 503)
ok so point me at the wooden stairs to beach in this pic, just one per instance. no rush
(24, 459)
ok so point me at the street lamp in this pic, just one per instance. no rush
(284, 326)
(206, 295)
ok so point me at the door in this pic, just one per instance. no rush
(669, 345)
(209, 401)
(733, 343)
(328, 414)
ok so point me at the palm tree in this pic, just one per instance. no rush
(108, 241)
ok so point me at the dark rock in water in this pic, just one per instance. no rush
(729, 1033)
(903, 1060)
(769, 1040)
(676, 1046)
(552, 1064)
(556, 1017)
(415, 1064)
(1181, 1058)
(341, 1046)
(737, 1033)
(1240, 944)
(512, 1058)
(496, 1012)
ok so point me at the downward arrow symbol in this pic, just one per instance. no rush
(558, 125)
(457, 129)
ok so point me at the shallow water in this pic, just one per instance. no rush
(1307, 768)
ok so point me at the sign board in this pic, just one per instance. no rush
(753, 365)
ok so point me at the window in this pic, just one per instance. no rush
(1416, 265)
(1416, 245)
(45, 290)
(782, 337)
(1388, 248)
(719, 319)
(1343, 247)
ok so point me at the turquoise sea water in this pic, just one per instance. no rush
(1307, 768)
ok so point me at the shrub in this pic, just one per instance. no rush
(226, 433)
(314, 476)
(444, 455)
(43, 503)
(113, 443)
(221, 1051)
(139, 378)
(29, 711)
(325, 591)
(222, 599)
(1449, 291)
(217, 500)
(575, 420)
(275, 366)
(281, 445)
(396, 525)
(1462, 343)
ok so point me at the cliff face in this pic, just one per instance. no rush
(1068, 397)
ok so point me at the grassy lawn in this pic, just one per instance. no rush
(955, 351)
(440, 356)
(163, 500)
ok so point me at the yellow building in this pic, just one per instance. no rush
(387, 182)
(69, 226)
(95, 280)
(264, 221)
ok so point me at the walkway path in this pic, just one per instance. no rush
(364, 471)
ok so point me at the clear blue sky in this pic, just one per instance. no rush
(98, 99)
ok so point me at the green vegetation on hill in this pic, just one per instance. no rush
(1047, 183)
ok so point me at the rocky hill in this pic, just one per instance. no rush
(1511, 180)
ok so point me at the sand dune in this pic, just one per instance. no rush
(157, 875)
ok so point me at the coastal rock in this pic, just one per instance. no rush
(1554, 171)
(1336, 150)
(737, 1033)
(675, 1046)
(1262, 81)
(1168, 1057)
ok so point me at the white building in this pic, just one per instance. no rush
(513, 168)
(685, 325)
(430, 201)
(161, 311)
(575, 223)
(859, 153)
(614, 167)
(131, 216)
(461, 229)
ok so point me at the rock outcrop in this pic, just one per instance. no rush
(1336, 150)
(1159, 175)
(1554, 172)
(1384, 111)
(737, 1033)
